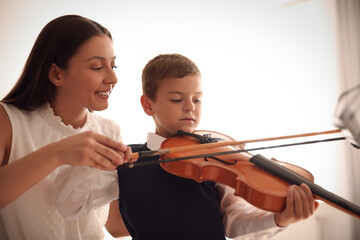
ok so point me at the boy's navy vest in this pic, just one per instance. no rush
(155, 204)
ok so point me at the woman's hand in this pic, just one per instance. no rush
(91, 149)
(300, 204)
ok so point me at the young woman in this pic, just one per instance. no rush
(47, 122)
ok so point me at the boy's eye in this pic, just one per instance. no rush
(197, 101)
(176, 100)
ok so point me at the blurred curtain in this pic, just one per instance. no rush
(348, 31)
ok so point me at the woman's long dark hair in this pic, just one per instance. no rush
(57, 43)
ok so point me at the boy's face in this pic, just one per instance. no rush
(177, 105)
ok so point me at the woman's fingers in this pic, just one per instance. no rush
(116, 152)
(94, 150)
(128, 154)
(109, 142)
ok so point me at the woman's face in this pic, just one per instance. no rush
(89, 78)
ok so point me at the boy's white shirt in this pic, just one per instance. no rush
(82, 189)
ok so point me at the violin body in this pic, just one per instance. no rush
(257, 186)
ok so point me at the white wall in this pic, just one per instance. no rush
(268, 70)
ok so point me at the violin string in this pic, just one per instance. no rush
(133, 164)
(211, 144)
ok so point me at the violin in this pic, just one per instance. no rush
(261, 182)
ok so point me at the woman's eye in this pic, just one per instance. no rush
(197, 101)
(113, 67)
(96, 68)
(176, 100)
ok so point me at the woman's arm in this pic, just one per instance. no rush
(78, 190)
(88, 148)
(5, 137)
(17, 177)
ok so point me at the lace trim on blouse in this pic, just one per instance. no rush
(47, 114)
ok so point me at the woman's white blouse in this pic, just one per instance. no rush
(32, 215)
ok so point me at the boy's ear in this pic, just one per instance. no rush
(54, 75)
(146, 104)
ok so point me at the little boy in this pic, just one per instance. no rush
(155, 204)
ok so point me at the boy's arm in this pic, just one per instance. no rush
(240, 218)
(115, 224)
(78, 190)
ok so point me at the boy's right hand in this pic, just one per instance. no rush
(92, 149)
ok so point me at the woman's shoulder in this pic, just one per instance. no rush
(7, 107)
(5, 123)
(3, 112)
(5, 136)
(13, 112)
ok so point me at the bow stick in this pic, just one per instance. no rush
(224, 143)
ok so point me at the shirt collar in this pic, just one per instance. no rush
(154, 141)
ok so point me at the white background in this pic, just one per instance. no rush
(269, 68)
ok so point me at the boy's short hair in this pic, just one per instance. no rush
(165, 66)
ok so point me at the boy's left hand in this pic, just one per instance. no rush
(300, 204)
